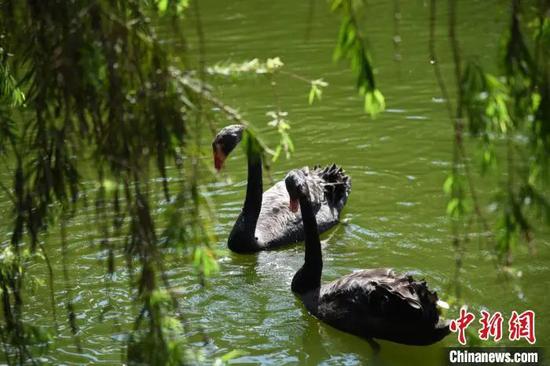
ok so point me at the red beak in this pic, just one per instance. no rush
(219, 158)
(294, 205)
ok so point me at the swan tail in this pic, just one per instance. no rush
(426, 298)
(443, 326)
(429, 302)
(442, 329)
(337, 185)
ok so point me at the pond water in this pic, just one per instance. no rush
(395, 216)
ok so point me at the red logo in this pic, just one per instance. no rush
(459, 325)
(520, 326)
(491, 326)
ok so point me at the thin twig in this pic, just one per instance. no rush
(51, 283)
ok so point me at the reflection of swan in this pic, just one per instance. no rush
(266, 221)
(313, 350)
(322, 345)
(373, 303)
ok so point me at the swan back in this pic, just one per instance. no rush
(378, 303)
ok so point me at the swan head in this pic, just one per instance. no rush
(224, 142)
(297, 188)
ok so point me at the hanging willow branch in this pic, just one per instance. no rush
(100, 95)
(352, 46)
(496, 109)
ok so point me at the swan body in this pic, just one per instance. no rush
(266, 222)
(379, 303)
(372, 303)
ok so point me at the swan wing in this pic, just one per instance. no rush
(380, 293)
(277, 225)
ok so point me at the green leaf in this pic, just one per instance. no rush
(448, 185)
(182, 5)
(335, 5)
(316, 90)
(232, 354)
(277, 153)
(452, 207)
(162, 6)
(250, 144)
(159, 297)
(374, 102)
(312, 93)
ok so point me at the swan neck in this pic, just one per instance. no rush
(313, 261)
(254, 191)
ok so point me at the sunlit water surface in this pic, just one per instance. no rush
(395, 216)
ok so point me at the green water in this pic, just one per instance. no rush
(395, 215)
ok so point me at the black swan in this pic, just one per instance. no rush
(372, 303)
(266, 222)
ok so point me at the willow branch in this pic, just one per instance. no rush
(51, 283)
(458, 124)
